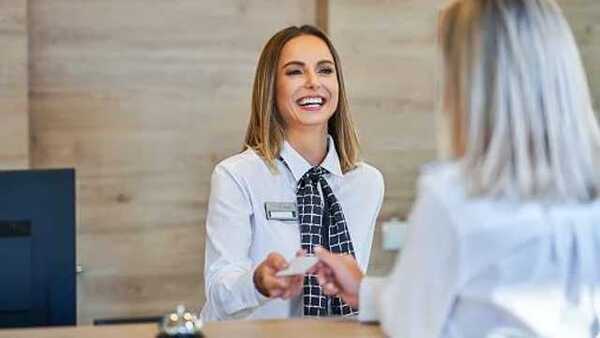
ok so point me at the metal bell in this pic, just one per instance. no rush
(180, 324)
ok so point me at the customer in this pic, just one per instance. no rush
(505, 238)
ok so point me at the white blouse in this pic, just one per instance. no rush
(478, 267)
(239, 236)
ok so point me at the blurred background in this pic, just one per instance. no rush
(144, 97)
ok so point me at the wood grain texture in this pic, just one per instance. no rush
(309, 328)
(14, 125)
(143, 97)
(584, 18)
(322, 17)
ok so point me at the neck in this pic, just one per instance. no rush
(311, 143)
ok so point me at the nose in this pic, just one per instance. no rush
(312, 80)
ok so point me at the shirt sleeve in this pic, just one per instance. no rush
(417, 297)
(228, 272)
(369, 294)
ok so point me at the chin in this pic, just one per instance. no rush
(315, 121)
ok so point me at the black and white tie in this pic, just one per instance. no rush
(321, 227)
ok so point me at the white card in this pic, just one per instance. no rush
(298, 266)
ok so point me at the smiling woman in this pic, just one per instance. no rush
(266, 129)
(295, 186)
(307, 88)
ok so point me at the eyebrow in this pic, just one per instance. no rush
(300, 63)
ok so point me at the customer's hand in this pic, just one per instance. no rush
(338, 275)
(272, 286)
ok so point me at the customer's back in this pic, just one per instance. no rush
(479, 266)
(506, 236)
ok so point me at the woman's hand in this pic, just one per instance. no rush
(272, 286)
(338, 275)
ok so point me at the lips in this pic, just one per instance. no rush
(311, 102)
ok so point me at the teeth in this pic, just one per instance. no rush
(311, 100)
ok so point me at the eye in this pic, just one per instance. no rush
(293, 72)
(326, 70)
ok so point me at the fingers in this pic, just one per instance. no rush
(322, 278)
(324, 274)
(324, 255)
(330, 289)
(327, 281)
(295, 287)
(274, 282)
(264, 277)
(271, 285)
(333, 261)
(327, 262)
(288, 287)
(316, 268)
(276, 261)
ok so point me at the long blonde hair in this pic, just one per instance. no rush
(519, 101)
(265, 132)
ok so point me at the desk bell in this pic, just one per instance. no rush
(180, 324)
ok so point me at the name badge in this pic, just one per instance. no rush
(281, 211)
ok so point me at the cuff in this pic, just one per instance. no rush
(368, 298)
(249, 297)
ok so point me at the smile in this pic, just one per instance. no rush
(311, 102)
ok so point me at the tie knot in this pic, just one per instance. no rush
(314, 174)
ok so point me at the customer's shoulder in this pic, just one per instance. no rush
(440, 178)
(442, 188)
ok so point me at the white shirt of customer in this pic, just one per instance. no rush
(473, 267)
(239, 235)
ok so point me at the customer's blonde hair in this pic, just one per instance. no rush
(519, 102)
(266, 130)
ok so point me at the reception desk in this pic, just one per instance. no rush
(298, 328)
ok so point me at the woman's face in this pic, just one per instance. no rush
(306, 86)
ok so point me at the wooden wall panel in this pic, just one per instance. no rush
(143, 97)
(584, 18)
(14, 125)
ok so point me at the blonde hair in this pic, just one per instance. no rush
(518, 97)
(265, 132)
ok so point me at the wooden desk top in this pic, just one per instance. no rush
(297, 328)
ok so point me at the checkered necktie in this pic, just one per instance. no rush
(310, 216)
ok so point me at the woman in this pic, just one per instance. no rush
(505, 239)
(298, 184)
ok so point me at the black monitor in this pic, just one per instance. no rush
(37, 248)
